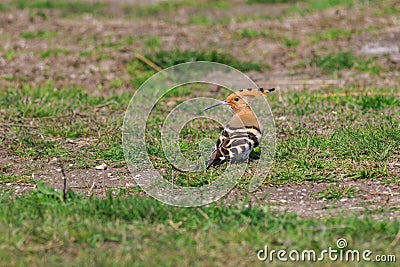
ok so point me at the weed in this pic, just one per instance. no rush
(54, 52)
(15, 179)
(85, 53)
(250, 2)
(154, 9)
(201, 20)
(10, 54)
(291, 42)
(153, 42)
(337, 192)
(67, 7)
(140, 72)
(252, 33)
(345, 60)
(310, 6)
(169, 58)
(333, 34)
(39, 34)
(84, 226)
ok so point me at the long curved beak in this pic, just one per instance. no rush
(215, 105)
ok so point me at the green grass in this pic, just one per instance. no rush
(52, 111)
(345, 60)
(333, 34)
(73, 7)
(253, 33)
(201, 20)
(337, 192)
(391, 10)
(140, 71)
(322, 136)
(40, 228)
(351, 145)
(44, 101)
(10, 54)
(15, 179)
(291, 42)
(54, 52)
(250, 2)
(169, 7)
(39, 34)
(102, 9)
(153, 42)
(166, 59)
(309, 6)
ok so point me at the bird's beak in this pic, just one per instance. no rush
(215, 105)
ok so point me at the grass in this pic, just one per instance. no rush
(291, 42)
(303, 154)
(15, 179)
(306, 154)
(54, 52)
(345, 60)
(39, 34)
(333, 34)
(128, 10)
(388, 11)
(140, 71)
(305, 7)
(73, 7)
(250, 2)
(10, 54)
(52, 111)
(337, 192)
(166, 59)
(168, 7)
(253, 33)
(202, 20)
(77, 7)
(323, 135)
(40, 228)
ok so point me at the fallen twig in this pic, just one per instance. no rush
(395, 240)
(105, 104)
(148, 62)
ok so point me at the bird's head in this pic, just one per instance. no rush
(238, 100)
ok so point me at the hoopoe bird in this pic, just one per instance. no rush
(242, 133)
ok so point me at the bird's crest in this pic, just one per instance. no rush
(253, 92)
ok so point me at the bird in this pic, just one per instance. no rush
(242, 133)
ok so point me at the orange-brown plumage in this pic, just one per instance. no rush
(242, 133)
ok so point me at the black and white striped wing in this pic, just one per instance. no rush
(234, 145)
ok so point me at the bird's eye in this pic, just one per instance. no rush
(236, 99)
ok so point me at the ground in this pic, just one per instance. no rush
(69, 69)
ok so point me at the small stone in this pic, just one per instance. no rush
(53, 160)
(101, 167)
